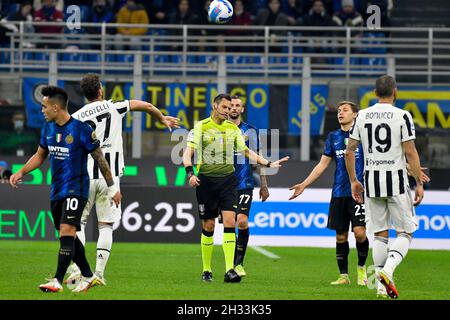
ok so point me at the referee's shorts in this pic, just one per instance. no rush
(216, 194)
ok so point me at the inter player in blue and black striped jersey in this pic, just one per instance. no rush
(244, 174)
(343, 209)
(68, 142)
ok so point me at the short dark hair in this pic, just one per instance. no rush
(222, 96)
(353, 105)
(89, 85)
(56, 93)
(385, 86)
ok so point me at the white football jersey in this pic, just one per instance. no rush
(105, 117)
(381, 129)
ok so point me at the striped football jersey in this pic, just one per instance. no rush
(105, 117)
(382, 129)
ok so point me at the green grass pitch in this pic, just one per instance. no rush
(172, 272)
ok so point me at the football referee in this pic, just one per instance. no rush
(214, 141)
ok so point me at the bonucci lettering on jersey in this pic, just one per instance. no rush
(379, 115)
(92, 111)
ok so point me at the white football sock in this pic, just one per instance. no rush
(104, 245)
(397, 253)
(379, 252)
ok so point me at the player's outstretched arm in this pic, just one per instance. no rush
(318, 170)
(113, 190)
(357, 187)
(413, 159)
(168, 121)
(188, 153)
(253, 156)
(33, 163)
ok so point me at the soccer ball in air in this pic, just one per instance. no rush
(220, 11)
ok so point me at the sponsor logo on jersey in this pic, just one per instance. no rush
(370, 162)
(69, 139)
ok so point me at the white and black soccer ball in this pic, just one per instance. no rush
(73, 283)
(220, 11)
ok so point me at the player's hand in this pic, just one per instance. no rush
(114, 195)
(15, 179)
(357, 191)
(194, 181)
(263, 193)
(170, 122)
(117, 198)
(277, 164)
(298, 190)
(419, 195)
(423, 177)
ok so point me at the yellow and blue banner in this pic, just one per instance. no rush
(267, 106)
(429, 107)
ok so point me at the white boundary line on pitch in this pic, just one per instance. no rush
(265, 252)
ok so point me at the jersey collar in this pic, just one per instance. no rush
(65, 124)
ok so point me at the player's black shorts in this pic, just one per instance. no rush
(344, 210)
(216, 193)
(245, 198)
(68, 211)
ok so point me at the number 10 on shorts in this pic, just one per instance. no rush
(72, 204)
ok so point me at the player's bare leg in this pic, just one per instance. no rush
(207, 244)
(229, 245)
(362, 246)
(342, 251)
(241, 244)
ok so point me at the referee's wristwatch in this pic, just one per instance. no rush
(268, 164)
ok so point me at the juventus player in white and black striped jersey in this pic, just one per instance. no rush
(387, 135)
(105, 117)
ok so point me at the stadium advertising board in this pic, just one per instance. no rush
(303, 221)
(192, 102)
(170, 215)
(148, 215)
(161, 172)
(430, 108)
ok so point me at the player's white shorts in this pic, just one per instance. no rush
(98, 195)
(396, 212)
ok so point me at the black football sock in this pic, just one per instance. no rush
(241, 246)
(363, 251)
(79, 258)
(65, 256)
(342, 251)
